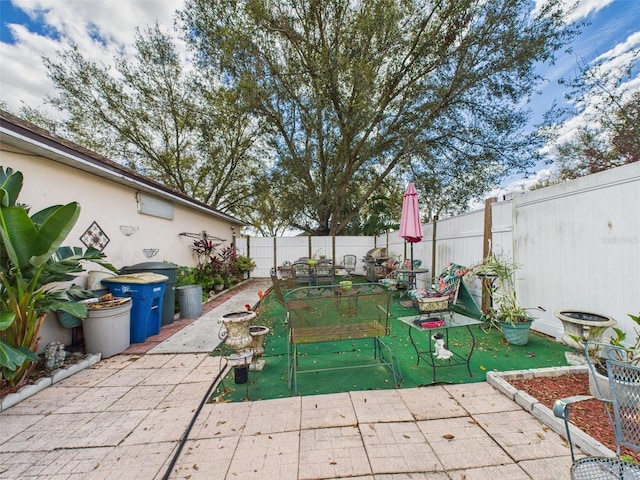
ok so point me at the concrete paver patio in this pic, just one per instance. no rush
(124, 418)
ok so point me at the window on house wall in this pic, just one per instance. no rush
(154, 206)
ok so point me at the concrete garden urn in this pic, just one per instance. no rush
(258, 334)
(581, 327)
(236, 325)
(238, 338)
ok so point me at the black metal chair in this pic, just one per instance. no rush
(302, 272)
(624, 415)
(325, 272)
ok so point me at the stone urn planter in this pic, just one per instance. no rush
(238, 339)
(258, 334)
(236, 325)
(581, 327)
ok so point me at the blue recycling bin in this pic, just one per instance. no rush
(146, 291)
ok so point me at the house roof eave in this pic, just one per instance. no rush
(28, 137)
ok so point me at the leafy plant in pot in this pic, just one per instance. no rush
(512, 318)
(616, 349)
(218, 283)
(28, 268)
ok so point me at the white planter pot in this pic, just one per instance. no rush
(581, 327)
(258, 334)
(236, 325)
(108, 330)
(599, 385)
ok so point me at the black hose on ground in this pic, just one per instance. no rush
(185, 435)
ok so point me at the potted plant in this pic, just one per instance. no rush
(245, 265)
(218, 283)
(599, 352)
(506, 312)
(28, 265)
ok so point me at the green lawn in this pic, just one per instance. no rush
(491, 353)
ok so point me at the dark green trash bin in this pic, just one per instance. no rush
(163, 268)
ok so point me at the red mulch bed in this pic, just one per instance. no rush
(589, 416)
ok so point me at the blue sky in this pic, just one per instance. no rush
(103, 28)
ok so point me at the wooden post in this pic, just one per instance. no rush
(433, 249)
(333, 249)
(486, 251)
(275, 254)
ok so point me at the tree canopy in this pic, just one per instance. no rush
(355, 92)
(306, 113)
(179, 128)
(607, 102)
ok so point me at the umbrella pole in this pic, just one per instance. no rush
(412, 275)
(411, 267)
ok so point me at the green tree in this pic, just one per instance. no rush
(183, 129)
(354, 92)
(608, 136)
(626, 130)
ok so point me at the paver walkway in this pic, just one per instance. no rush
(124, 418)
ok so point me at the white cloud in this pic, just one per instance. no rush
(609, 63)
(101, 29)
(583, 8)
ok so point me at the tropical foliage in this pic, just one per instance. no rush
(295, 114)
(29, 263)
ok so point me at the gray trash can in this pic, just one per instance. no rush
(170, 271)
(190, 301)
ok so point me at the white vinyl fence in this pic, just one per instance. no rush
(577, 243)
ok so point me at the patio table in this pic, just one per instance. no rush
(412, 273)
(451, 320)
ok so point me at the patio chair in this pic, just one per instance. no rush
(396, 280)
(624, 382)
(324, 272)
(449, 284)
(302, 272)
(349, 264)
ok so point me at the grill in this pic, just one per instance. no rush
(374, 263)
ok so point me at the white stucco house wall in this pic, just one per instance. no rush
(126, 213)
(129, 217)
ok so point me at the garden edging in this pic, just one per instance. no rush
(500, 381)
(57, 375)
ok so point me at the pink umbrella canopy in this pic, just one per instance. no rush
(410, 226)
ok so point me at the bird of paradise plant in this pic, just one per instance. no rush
(27, 266)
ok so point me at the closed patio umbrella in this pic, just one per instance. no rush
(410, 226)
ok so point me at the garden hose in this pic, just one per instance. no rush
(222, 372)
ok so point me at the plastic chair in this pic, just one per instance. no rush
(624, 415)
(349, 264)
